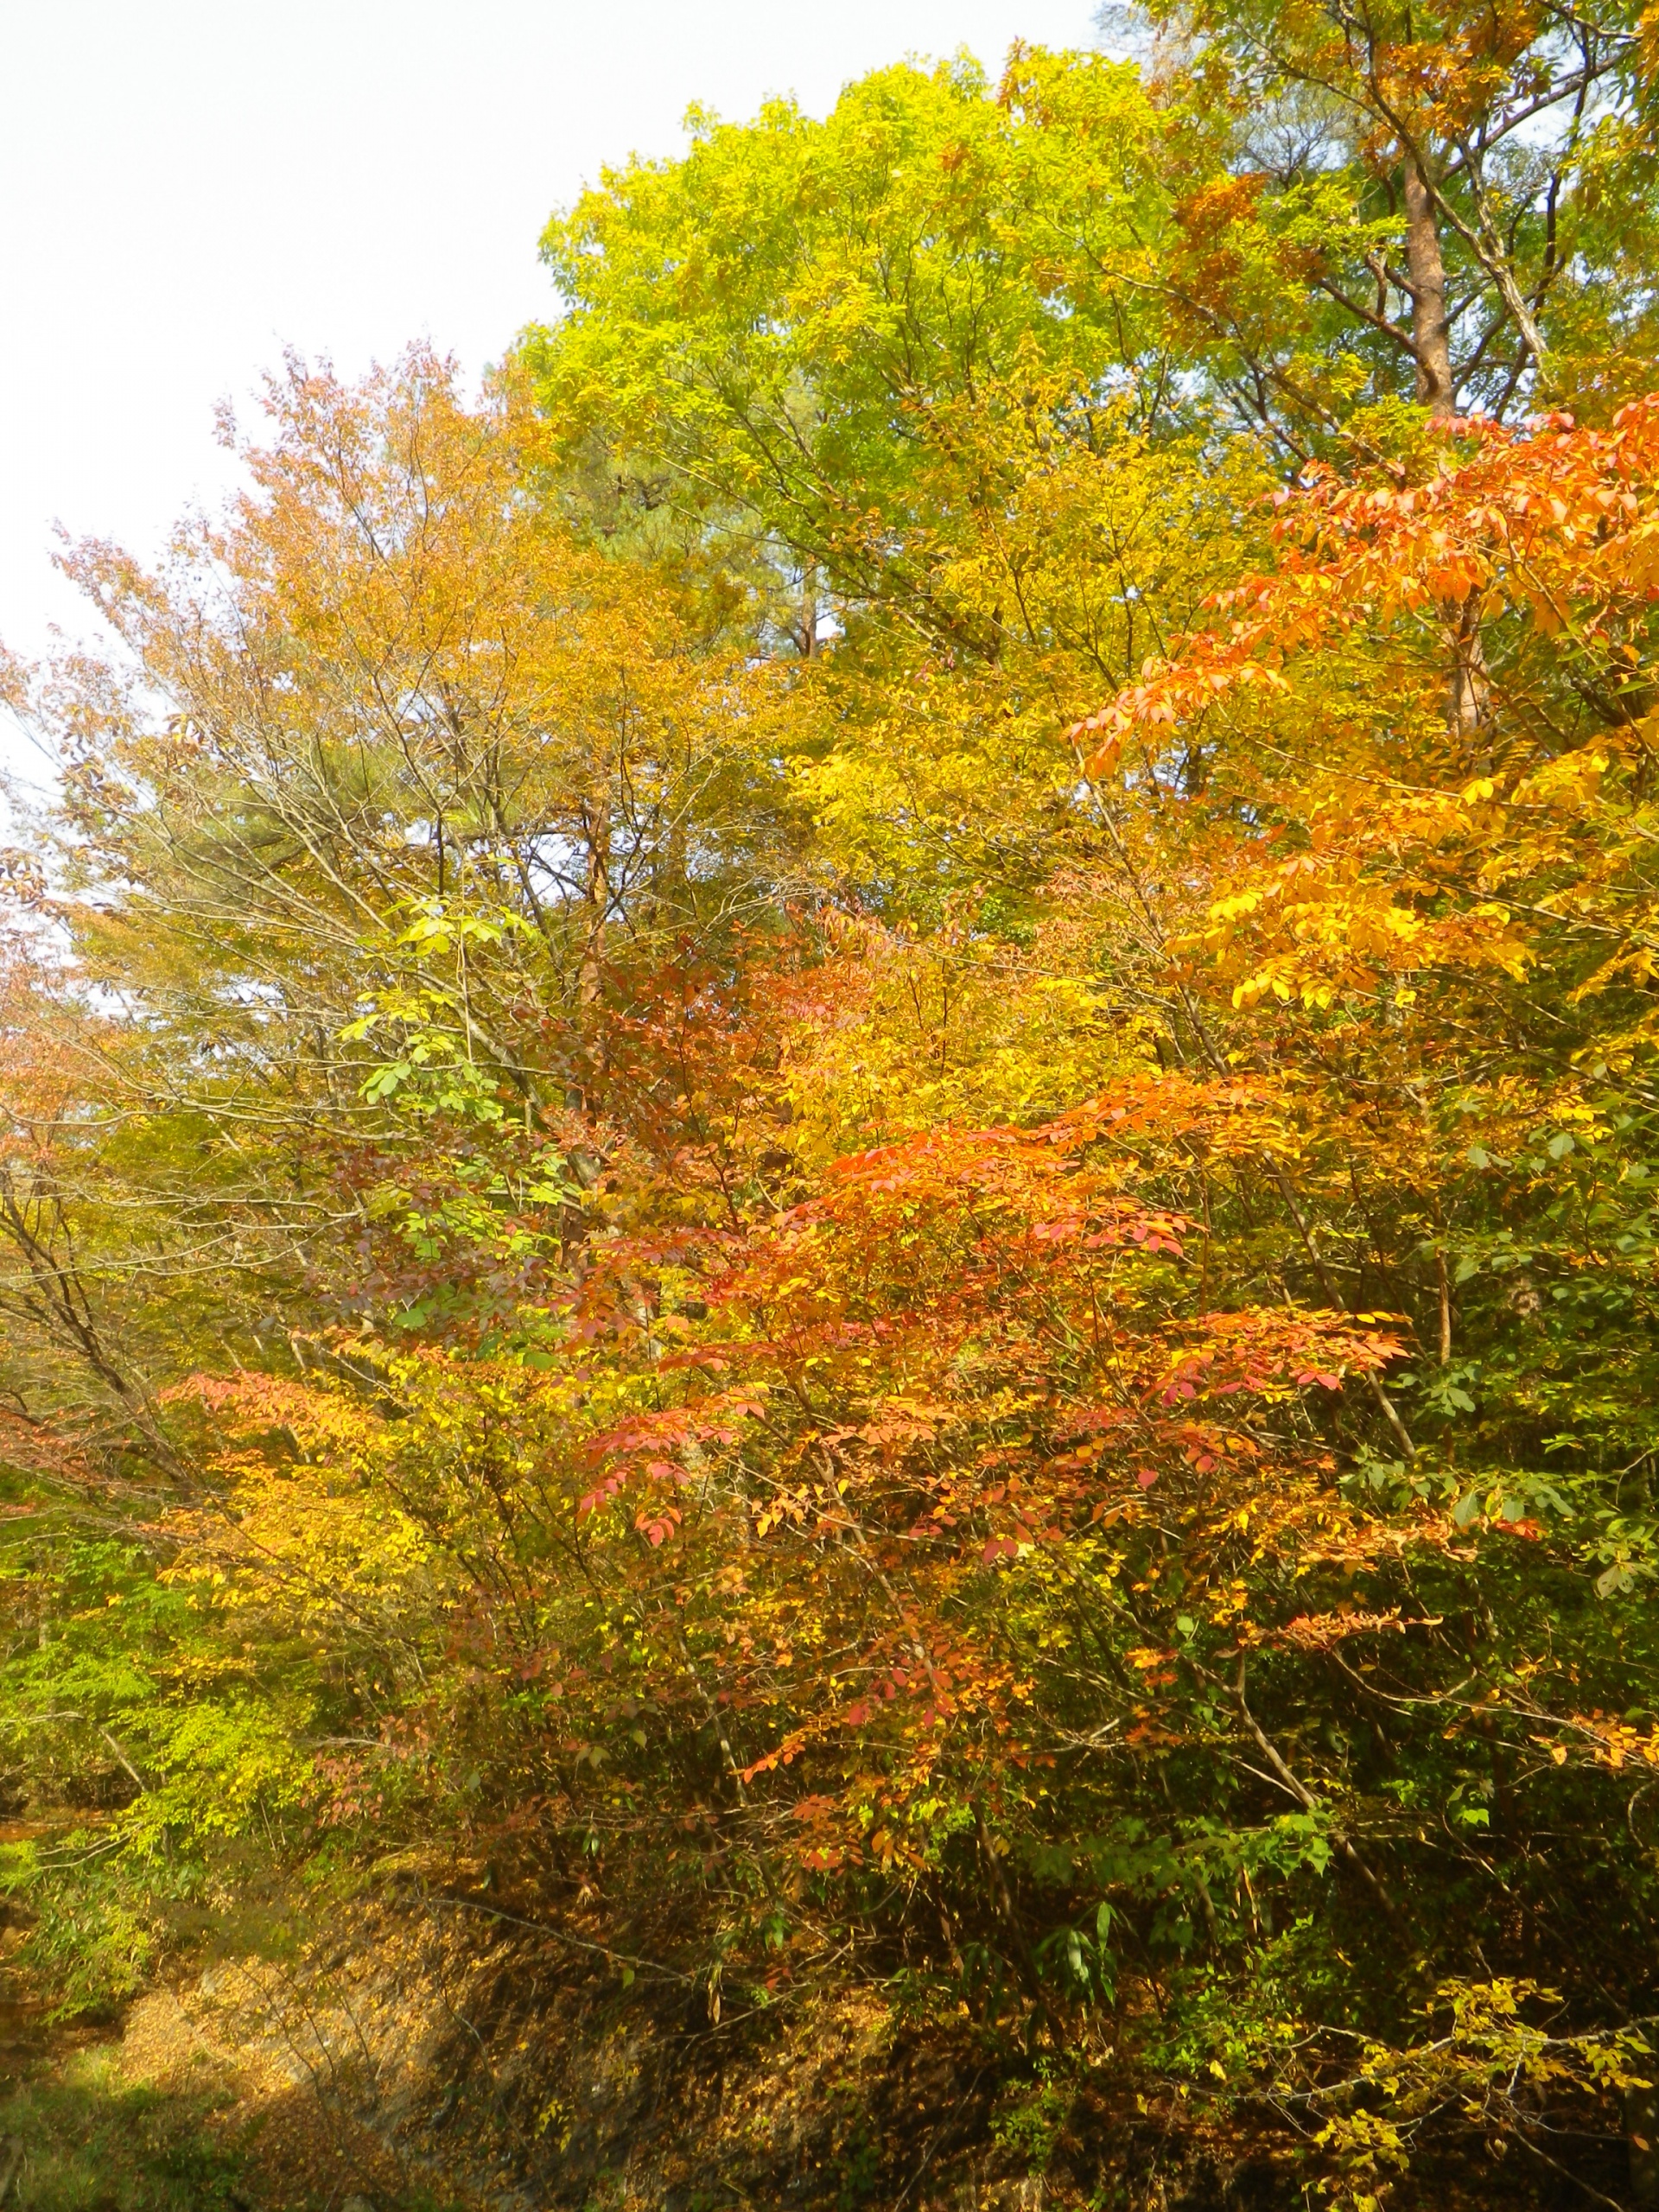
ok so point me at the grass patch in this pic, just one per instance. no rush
(91, 2142)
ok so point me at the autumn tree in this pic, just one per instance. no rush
(862, 1141)
(1447, 205)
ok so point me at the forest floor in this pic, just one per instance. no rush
(420, 2061)
(415, 2068)
(140, 2114)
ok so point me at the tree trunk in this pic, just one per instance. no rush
(809, 608)
(1431, 336)
(1471, 686)
(590, 960)
(596, 899)
(1431, 340)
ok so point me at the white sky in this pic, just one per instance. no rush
(188, 186)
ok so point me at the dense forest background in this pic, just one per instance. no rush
(828, 1147)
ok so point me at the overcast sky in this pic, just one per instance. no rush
(188, 186)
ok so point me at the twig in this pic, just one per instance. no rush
(1309, 1803)
(560, 1935)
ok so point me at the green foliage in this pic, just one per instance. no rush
(89, 2139)
(790, 319)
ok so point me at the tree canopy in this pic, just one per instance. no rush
(838, 1128)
